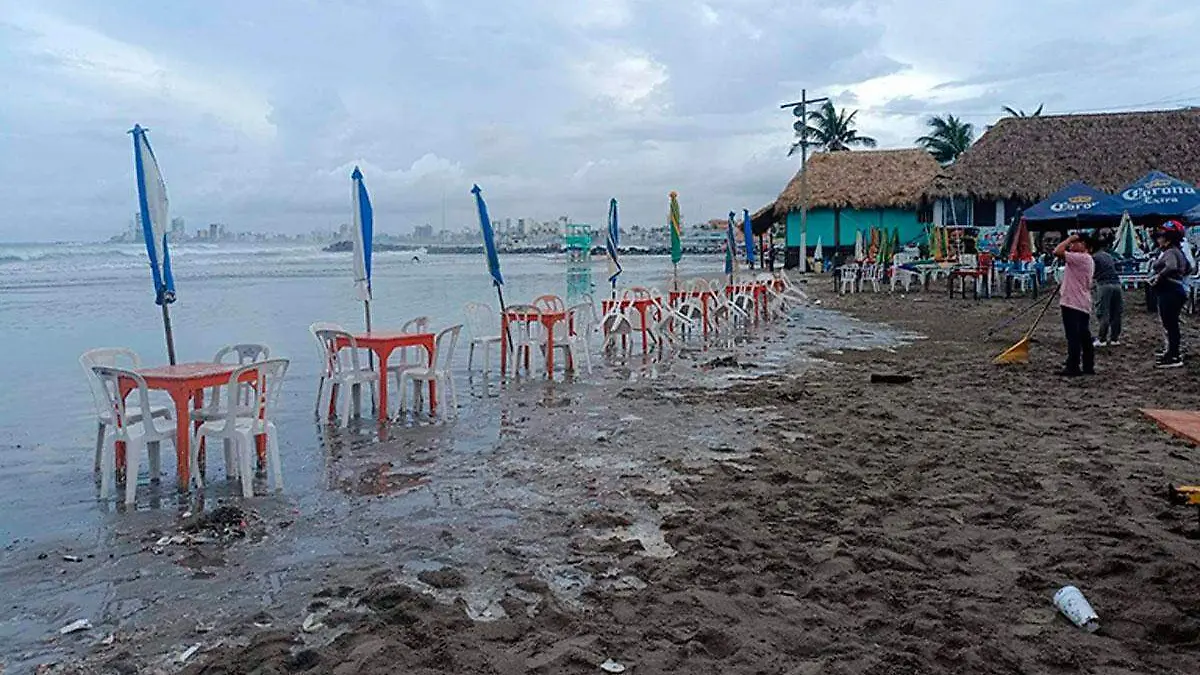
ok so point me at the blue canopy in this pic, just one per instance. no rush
(1155, 195)
(1075, 199)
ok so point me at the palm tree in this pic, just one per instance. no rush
(948, 138)
(1021, 113)
(832, 130)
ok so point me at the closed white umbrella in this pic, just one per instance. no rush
(819, 254)
(859, 252)
(152, 207)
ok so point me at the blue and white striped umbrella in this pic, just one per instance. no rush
(730, 248)
(611, 242)
(363, 231)
(152, 204)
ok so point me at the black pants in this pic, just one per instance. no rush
(1170, 304)
(1079, 340)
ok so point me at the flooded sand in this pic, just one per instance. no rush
(537, 485)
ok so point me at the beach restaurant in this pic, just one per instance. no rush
(857, 190)
(1024, 160)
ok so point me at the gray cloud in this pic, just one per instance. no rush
(258, 110)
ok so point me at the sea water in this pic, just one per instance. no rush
(59, 300)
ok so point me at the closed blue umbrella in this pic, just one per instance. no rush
(730, 248)
(364, 235)
(489, 247)
(611, 242)
(748, 235)
(152, 204)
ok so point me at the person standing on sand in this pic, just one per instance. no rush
(1168, 274)
(1075, 300)
(1109, 300)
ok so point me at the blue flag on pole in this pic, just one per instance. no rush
(489, 237)
(748, 234)
(152, 204)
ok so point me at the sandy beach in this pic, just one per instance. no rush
(776, 513)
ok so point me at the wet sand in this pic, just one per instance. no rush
(777, 515)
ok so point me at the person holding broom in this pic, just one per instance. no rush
(1075, 300)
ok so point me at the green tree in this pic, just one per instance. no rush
(948, 138)
(832, 130)
(1011, 112)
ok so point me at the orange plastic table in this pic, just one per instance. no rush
(704, 296)
(383, 343)
(547, 319)
(184, 382)
(757, 290)
(642, 305)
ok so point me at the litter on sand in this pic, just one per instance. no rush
(75, 627)
(1070, 601)
(611, 666)
(187, 653)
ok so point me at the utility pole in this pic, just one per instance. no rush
(798, 256)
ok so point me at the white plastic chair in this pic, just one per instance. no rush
(482, 331)
(410, 357)
(662, 326)
(723, 313)
(238, 427)
(525, 335)
(138, 437)
(873, 274)
(617, 327)
(549, 303)
(581, 320)
(313, 329)
(113, 358)
(903, 276)
(245, 353)
(343, 369)
(848, 276)
(441, 374)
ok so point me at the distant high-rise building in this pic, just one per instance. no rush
(423, 232)
(178, 227)
(214, 231)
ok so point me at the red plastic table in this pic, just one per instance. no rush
(642, 305)
(704, 296)
(383, 343)
(184, 382)
(547, 319)
(757, 290)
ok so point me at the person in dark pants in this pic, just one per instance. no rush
(1075, 300)
(1167, 277)
(1110, 299)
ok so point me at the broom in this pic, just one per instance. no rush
(1019, 353)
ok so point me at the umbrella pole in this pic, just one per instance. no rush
(675, 276)
(504, 313)
(170, 335)
(614, 289)
(370, 354)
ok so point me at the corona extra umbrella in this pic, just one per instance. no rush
(152, 207)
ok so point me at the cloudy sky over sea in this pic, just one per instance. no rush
(259, 110)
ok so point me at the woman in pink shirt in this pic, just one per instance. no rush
(1075, 299)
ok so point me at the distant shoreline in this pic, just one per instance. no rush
(347, 247)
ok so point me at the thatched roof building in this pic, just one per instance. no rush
(862, 179)
(1026, 159)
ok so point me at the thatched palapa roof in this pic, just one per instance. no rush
(1028, 158)
(862, 179)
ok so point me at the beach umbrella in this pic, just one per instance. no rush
(363, 236)
(730, 248)
(1125, 243)
(819, 255)
(611, 242)
(152, 205)
(895, 241)
(748, 237)
(676, 222)
(1021, 248)
(489, 248)
(858, 245)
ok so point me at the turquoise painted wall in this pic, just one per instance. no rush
(820, 225)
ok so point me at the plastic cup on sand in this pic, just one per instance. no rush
(1070, 601)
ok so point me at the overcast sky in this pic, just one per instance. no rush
(259, 109)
